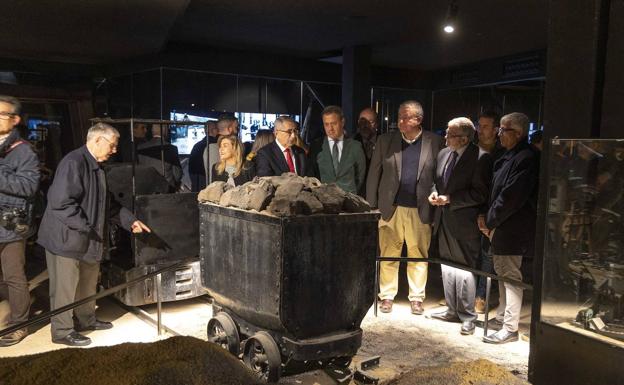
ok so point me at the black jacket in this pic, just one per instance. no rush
(468, 189)
(247, 173)
(270, 161)
(75, 222)
(513, 201)
(19, 179)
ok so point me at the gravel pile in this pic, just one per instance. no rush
(479, 372)
(174, 361)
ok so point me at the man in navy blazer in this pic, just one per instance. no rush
(282, 155)
(461, 189)
(335, 158)
(511, 217)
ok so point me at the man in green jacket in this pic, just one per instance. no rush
(337, 159)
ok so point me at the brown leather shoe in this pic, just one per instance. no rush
(386, 306)
(417, 307)
(13, 338)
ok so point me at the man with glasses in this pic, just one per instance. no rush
(335, 158)
(19, 181)
(399, 182)
(74, 232)
(367, 132)
(510, 219)
(462, 187)
(487, 131)
(282, 155)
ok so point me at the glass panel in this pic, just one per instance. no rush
(583, 286)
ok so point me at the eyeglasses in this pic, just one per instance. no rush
(7, 115)
(111, 144)
(407, 118)
(289, 132)
(454, 136)
(502, 130)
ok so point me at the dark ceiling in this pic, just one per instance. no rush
(401, 33)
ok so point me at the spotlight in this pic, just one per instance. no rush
(451, 15)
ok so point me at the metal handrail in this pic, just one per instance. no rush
(101, 294)
(440, 261)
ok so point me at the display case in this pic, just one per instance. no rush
(583, 271)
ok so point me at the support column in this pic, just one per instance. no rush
(355, 83)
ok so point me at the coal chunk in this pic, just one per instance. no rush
(212, 192)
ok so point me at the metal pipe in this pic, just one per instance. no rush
(159, 303)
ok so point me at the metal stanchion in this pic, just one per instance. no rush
(158, 304)
(488, 286)
(376, 287)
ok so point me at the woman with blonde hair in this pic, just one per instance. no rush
(230, 166)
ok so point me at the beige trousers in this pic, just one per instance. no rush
(404, 226)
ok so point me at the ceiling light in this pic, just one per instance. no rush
(451, 16)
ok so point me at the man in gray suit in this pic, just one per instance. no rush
(399, 182)
(336, 159)
(461, 190)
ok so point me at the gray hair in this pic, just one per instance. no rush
(465, 125)
(517, 120)
(413, 104)
(101, 129)
(284, 119)
(17, 106)
(333, 110)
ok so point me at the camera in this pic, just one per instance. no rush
(15, 219)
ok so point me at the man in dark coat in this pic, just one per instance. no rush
(461, 188)
(510, 220)
(19, 181)
(282, 155)
(399, 182)
(74, 232)
(162, 156)
(198, 159)
(335, 158)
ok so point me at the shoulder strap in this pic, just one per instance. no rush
(12, 147)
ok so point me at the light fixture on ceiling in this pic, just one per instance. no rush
(451, 17)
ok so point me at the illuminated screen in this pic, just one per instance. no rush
(185, 136)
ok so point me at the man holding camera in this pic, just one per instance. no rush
(19, 181)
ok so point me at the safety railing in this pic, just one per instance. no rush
(106, 292)
(488, 276)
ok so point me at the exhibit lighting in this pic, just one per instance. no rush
(451, 16)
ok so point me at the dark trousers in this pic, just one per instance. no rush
(485, 265)
(13, 283)
(71, 280)
(459, 285)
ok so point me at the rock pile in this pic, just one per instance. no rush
(285, 195)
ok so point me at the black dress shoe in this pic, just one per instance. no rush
(495, 324)
(501, 337)
(97, 325)
(444, 316)
(467, 328)
(73, 339)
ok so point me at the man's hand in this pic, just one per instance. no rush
(482, 227)
(433, 198)
(443, 200)
(139, 227)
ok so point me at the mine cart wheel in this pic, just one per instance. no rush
(262, 355)
(222, 331)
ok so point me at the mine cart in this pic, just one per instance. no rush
(287, 289)
(173, 218)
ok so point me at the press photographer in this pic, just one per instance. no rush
(19, 181)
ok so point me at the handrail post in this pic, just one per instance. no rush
(159, 303)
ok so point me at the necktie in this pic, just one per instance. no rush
(291, 165)
(335, 155)
(449, 167)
